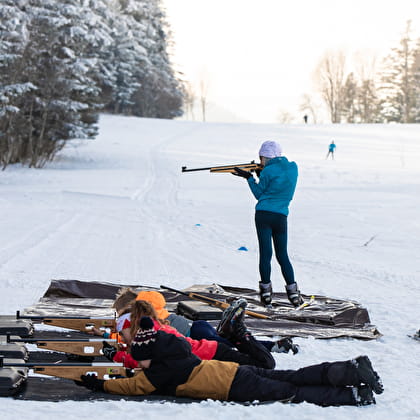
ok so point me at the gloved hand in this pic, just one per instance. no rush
(108, 351)
(284, 345)
(242, 173)
(91, 382)
(258, 172)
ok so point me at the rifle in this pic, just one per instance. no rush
(72, 370)
(78, 346)
(82, 323)
(252, 167)
(213, 302)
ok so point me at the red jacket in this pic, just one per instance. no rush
(204, 349)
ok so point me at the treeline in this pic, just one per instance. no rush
(62, 61)
(372, 93)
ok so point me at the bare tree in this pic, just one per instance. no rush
(309, 107)
(330, 79)
(284, 117)
(203, 90)
(189, 100)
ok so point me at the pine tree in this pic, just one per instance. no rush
(368, 103)
(416, 72)
(61, 101)
(399, 83)
(349, 95)
(160, 92)
(12, 89)
(61, 61)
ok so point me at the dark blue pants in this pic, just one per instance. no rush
(272, 229)
(202, 329)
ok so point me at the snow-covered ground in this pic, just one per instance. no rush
(119, 209)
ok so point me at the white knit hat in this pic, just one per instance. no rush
(270, 149)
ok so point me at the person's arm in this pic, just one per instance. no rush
(126, 336)
(259, 188)
(137, 385)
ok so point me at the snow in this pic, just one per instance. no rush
(118, 209)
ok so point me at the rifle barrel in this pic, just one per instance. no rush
(64, 340)
(38, 317)
(41, 364)
(250, 165)
(184, 169)
(214, 302)
(174, 290)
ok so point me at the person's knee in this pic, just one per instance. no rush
(285, 391)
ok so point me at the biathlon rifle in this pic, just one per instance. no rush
(81, 323)
(213, 302)
(73, 370)
(77, 346)
(251, 167)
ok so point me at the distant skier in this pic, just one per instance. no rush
(331, 149)
(305, 119)
(274, 191)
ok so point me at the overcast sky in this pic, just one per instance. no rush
(258, 57)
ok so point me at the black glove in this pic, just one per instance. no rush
(92, 382)
(108, 351)
(258, 172)
(242, 173)
(284, 345)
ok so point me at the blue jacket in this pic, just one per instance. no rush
(276, 186)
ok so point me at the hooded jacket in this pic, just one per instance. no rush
(174, 370)
(276, 186)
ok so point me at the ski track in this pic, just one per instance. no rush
(119, 210)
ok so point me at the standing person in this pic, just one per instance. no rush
(331, 149)
(305, 119)
(274, 191)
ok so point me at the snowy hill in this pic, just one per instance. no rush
(119, 209)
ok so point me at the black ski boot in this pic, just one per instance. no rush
(363, 395)
(266, 292)
(284, 345)
(293, 295)
(232, 315)
(367, 375)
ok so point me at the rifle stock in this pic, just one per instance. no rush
(77, 346)
(75, 372)
(252, 167)
(82, 324)
(213, 302)
(72, 370)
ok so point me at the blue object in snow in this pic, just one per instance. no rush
(243, 248)
(198, 224)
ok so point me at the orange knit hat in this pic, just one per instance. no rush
(157, 300)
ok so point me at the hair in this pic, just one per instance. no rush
(139, 309)
(124, 300)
